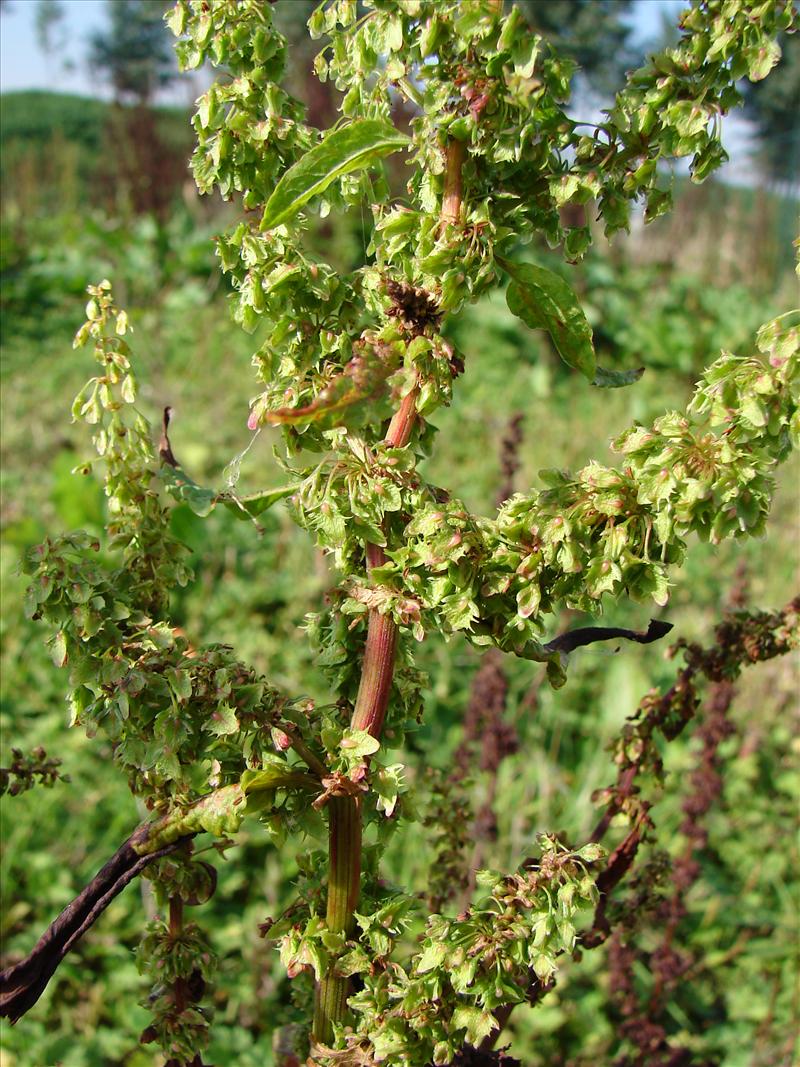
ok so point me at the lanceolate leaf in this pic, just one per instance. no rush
(202, 501)
(183, 488)
(616, 379)
(273, 776)
(544, 301)
(250, 506)
(343, 151)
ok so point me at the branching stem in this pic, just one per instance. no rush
(313, 762)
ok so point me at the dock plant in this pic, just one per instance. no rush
(456, 144)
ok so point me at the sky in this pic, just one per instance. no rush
(23, 65)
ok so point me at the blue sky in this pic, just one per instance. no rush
(22, 64)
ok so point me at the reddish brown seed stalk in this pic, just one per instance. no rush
(377, 670)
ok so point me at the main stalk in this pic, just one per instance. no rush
(345, 827)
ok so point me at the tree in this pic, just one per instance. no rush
(352, 368)
(135, 55)
(49, 24)
(320, 98)
(772, 104)
(51, 32)
(593, 33)
(134, 52)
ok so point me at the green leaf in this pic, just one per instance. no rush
(350, 148)
(528, 599)
(544, 301)
(753, 410)
(219, 813)
(362, 383)
(248, 507)
(202, 501)
(460, 611)
(616, 379)
(180, 682)
(223, 721)
(387, 784)
(591, 853)
(129, 389)
(543, 965)
(276, 776)
(176, 20)
(761, 59)
(478, 1024)
(433, 955)
(358, 743)
(59, 649)
(181, 487)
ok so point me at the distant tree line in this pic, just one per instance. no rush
(133, 55)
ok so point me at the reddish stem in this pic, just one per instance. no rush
(451, 201)
(179, 990)
(376, 674)
(345, 829)
(399, 433)
(381, 645)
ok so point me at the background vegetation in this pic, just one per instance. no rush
(93, 190)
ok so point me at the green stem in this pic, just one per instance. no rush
(344, 860)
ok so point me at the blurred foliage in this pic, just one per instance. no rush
(32, 115)
(665, 319)
(78, 152)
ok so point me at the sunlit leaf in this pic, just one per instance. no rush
(363, 381)
(350, 148)
(477, 1023)
(181, 487)
(544, 301)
